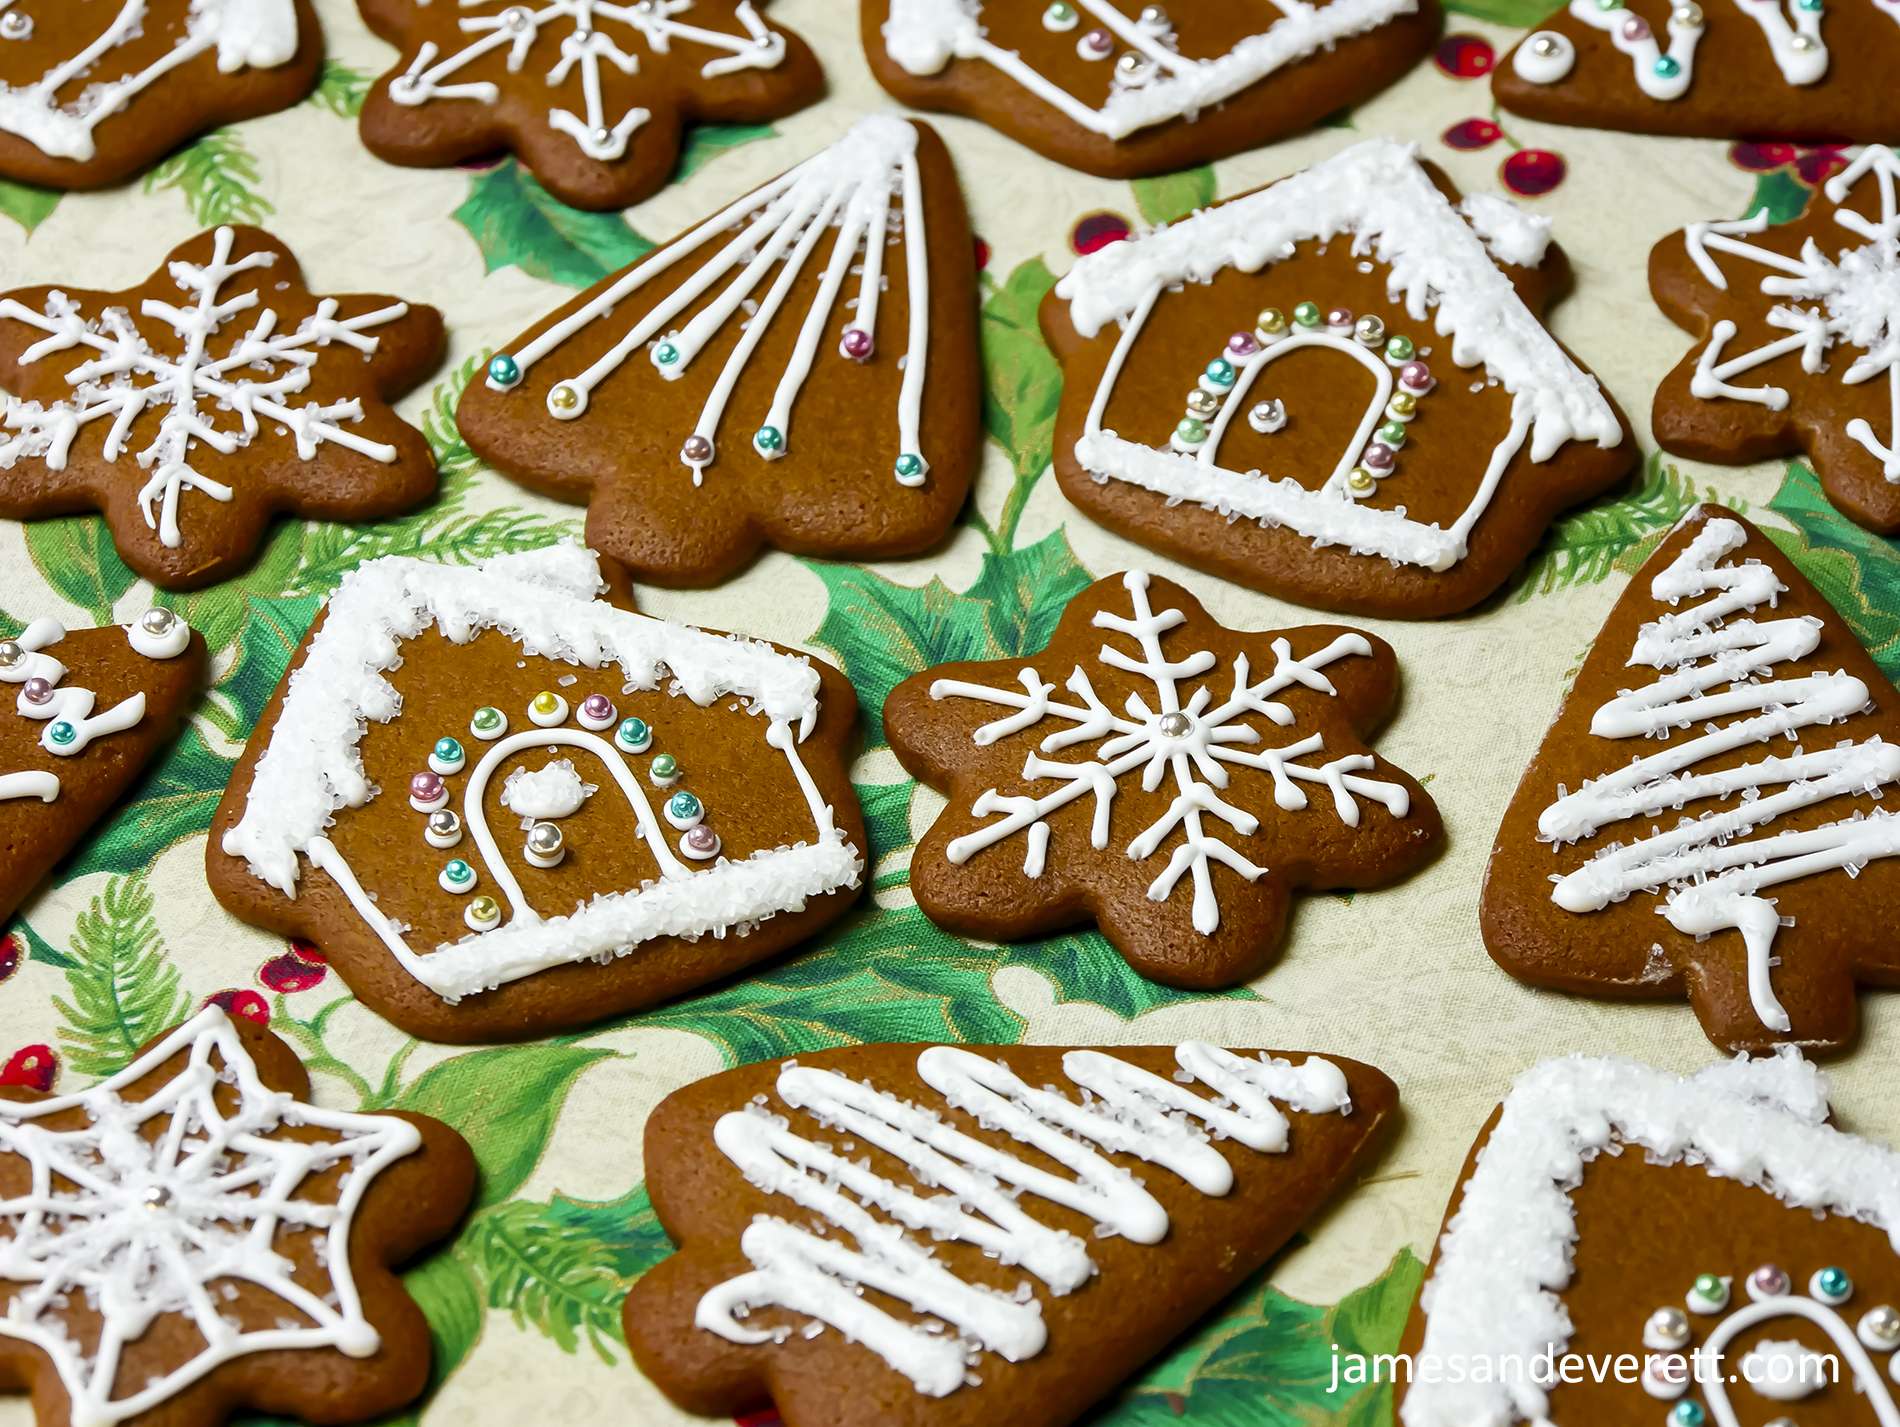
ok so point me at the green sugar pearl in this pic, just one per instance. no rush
(1192, 431)
(1393, 434)
(666, 766)
(488, 718)
(1307, 314)
(1399, 349)
(1709, 1286)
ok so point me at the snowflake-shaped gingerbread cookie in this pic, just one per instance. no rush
(194, 407)
(194, 1211)
(90, 93)
(1169, 778)
(1800, 349)
(592, 95)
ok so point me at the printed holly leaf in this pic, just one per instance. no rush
(706, 142)
(174, 801)
(1022, 386)
(886, 816)
(1026, 591)
(1781, 194)
(124, 987)
(340, 89)
(1614, 536)
(28, 204)
(75, 555)
(1082, 966)
(1858, 571)
(215, 175)
(1519, 14)
(626, 1230)
(516, 222)
(504, 1102)
(446, 1292)
(1173, 195)
(1265, 1358)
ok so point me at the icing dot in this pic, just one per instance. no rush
(700, 842)
(62, 733)
(1393, 434)
(503, 370)
(1307, 314)
(1244, 344)
(1191, 431)
(633, 735)
(1831, 1286)
(1399, 349)
(856, 344)
(696, 450)
(1378, 458)
(482, 913)
(1369, 330)
(488, 724)
(37, 691)
(1271, 320)
(769, 440)
(1202, 403)
(457, 877)
(910, 468)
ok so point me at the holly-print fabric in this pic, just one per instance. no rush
(124, 939)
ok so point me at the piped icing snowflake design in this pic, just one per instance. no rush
(257, 378)
(1203, 744)
(1152, 82)
(254, 34)
(1506, 1253)
(850, 187)
(600, 32)
(1852, 298)
(1440, 257)
(144, 1225)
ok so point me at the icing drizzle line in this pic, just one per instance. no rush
(1133, 1112)
(1714, 866)
(847, 186)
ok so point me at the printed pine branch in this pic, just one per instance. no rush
(341, 90)
(1590, 545)
(548, 1274)
(124, 988)
(215, 175)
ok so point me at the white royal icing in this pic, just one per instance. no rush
(1859, 290)
(925, 35)
(1713, 867)
(1198, 758)
(849, 186)
(1125, 1110)
(169, 645)
(258, 34)
(552, 791)
(1377, 192)
(71, 724)
(151, 1226)
(190, 386)
(1507, 1253)
(517, 28)
(545, 601)
(1793, 36)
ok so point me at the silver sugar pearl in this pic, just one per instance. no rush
(1154, 17)
(12, 656)
(603, 136)
(156, 1197)
(1202, 403)
(1131, 65)
(1880, 1328)
(444, 823)
(1688, 15)
(1669, 1325)
(1370, 330)
(1544, 46)
(1782, 1422)
(15, 26)
(1804, 44)
(157, 621)
(544, 839)
(517, 19)
(1176, 725)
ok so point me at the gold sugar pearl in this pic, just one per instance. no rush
(1271, 321)
(564, 398)
(1360, 481)
(545, 704)
(484, 909)
(1404, 403)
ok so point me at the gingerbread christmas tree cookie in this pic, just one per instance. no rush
(1799, 339)
(193, 408)
(500, 805)
(192, 1237)
(1124, 91)
(1170, 779)
(996, 1234)
(591, 96)
(1708, 812)
(800, 370)
(1336, 389)
(1729, 69)
(89, 709)
(93, 92)
(1633, 1248)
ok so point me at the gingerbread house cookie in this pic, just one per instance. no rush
(881, 1234)
(500, 806)
(1336, 389)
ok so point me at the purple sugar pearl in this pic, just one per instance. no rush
(1416, 376)
(702, 839)
(855, 344)
(1377, 457)
(597, 707)
(1339, 317)
(1769, 1281)
(1242, 344)
(425, 787)
(37, 691)
(1635, 29)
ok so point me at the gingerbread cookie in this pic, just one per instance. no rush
(191, 421)
(1811, 311)
(831, 1253)
(500, 806)
(1315, 453)
(90, 709)
(665, 395)
(1126, 92)
(192, 1237)
(91, 93)
(1819, 70)
(1632, 1248)
(1680, 851)
(592, 97)
(1217, 772)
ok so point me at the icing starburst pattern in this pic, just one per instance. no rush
(190, 383)
(170, 1205)
(1193, 741)
(1857, 295)
(518, 29)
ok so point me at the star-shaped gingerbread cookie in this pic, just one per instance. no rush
(92, 93)
(192, 1237)
(1161, 775)
(194, 407)
(1799, 349)
(592, 96)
